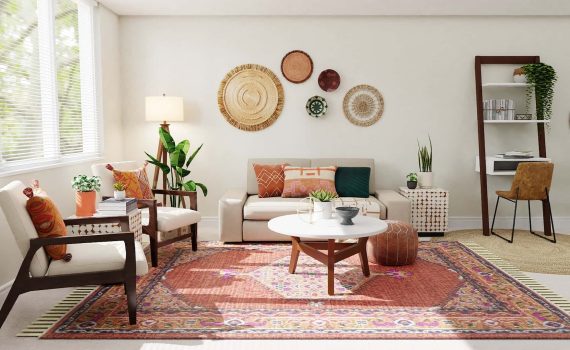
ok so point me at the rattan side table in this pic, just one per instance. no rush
(430, 210)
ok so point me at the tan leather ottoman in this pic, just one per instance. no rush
(395, 247)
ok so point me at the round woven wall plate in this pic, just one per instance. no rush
(316, 106)
(363, 105)
(297, 66)
(250, 97)
(329, 80)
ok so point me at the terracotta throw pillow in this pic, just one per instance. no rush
(299, 181)
(48, 223)
(270, 179)
(135, 181)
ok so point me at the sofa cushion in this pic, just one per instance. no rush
(350, 162)
(301, 181)
(172, 218)
(270, 179)
(352, 181)
(251, 179)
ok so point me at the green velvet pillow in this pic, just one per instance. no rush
(352, 181)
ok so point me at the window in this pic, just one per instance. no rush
(48, 102)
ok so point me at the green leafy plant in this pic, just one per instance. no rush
(177, 170)
(323, 195)
(84, 183)
(425, 157)
(118, 186)
(541, 78)
(413, 177)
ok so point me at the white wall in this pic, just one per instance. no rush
(423, 67)
(56, 181)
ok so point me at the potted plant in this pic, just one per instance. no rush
(178, 167)
(322, 200)
(541, 78)
(412, 180)
(425, 176)
(119, 191)
(85, 196)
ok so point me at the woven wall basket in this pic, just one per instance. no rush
(363, 105)
(297, 66)
(250, 97)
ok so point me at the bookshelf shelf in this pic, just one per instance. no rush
(532, 121)
(506, 85)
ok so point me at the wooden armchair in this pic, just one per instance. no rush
(97, 259)
(158, 219)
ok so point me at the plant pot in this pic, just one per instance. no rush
(519, 76)
(425, 179)
(119, 195)
(412, 185)
(85, 203)
(323, 210)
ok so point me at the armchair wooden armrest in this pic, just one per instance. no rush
(127, 237)
(192, 196)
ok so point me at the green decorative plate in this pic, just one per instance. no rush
(316, 106)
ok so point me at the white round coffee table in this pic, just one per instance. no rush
(329, 230)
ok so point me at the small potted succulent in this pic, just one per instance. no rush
(412, 181)
(119, 191)
(85, 196)
(322, 200)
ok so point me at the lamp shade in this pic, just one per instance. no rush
(164, 108)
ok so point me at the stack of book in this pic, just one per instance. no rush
(502, 109)
(111, 206)
(516, 155)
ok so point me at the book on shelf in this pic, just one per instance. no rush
(123, 206)
(113, 212)
(516, 155)
(499, 109)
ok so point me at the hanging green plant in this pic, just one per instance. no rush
(541, 78)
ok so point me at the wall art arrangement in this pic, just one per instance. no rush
(316, 106)
(251, 97)
(329, 80)
(297, 66)
(363, 105)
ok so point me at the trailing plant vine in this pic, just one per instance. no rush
(541, 78)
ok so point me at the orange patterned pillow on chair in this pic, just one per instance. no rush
(270, 179)
(299, 181)
(48, 223)
(135, 181)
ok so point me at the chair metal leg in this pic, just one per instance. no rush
(516, 201)
(529, 218)
(495, 214)
(553, 240)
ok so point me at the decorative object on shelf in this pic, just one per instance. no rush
(363, 105)
(412, 181)
(119, 191)
(519, 77)
(178, 167)
(316, 106)
(523, 116)
(322, 201)
(297, 66)
(541, 78)
(499, 109)
(425, 176)
(329, 80)
(346, 214)
(250, 97)
(85, 196)
(430, 209)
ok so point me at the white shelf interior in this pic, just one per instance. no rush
(506, 85)
(532, 121)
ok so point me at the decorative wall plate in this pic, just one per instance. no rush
(363, 105)
(250, 97)
(329, 80)
(297, 66)
(316, 106)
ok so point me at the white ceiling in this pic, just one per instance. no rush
(338, 7)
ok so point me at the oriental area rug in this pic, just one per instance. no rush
(453, 291)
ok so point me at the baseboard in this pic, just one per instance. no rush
(6, 286)
(561, 223)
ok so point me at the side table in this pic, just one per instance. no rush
(430, 207)
(109, 224)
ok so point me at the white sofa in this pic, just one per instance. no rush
(244, 216)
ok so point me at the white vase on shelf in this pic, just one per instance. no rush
(425, 179)
(119, 195)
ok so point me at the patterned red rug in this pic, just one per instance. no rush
(245, 291)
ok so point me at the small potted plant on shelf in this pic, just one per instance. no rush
(322, 200)
(412, 181)
(85, 195)
(119, 191)
(425, 176)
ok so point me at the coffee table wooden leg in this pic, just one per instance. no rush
(363, 257)
(330, 265)
(295, 250)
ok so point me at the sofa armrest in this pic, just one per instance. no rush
(397, 206)
(230, 212)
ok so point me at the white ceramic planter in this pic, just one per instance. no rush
(323, 210)
(425, 179)
(119, 195)
(520, 78)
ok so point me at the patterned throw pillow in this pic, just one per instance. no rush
(135, 181)
(48, 223)
(299, 181)
(270, 179)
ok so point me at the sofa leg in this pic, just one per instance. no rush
(194, 236)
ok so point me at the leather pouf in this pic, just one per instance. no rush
(395, 247)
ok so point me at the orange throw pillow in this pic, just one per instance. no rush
(48, 223)
(299, 181)
(270, 179)
(135, 181)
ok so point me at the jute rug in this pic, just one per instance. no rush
(453, 291)
(527, 252)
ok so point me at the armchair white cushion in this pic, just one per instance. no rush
(169, 218)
